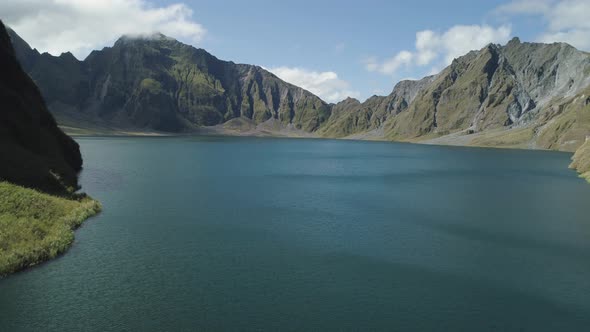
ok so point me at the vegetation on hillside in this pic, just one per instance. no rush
(567, 122)
(156, 83)
(581, 160)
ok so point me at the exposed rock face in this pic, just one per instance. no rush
(351, 117)
(494, 88)
(161, 84)
(34, 152)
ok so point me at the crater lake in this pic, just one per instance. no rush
(213, 233)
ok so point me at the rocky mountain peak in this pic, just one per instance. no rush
(155, 82)
(149, 37)
(350, 100)
(514, 41)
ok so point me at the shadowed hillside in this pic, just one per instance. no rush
(34, 151)
(35, 224)
(157, 83)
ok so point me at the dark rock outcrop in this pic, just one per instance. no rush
(34, 152)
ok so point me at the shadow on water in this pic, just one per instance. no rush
(420, 175)
(502, 240)
(408, 297)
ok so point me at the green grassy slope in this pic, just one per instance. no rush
(35, 226)
(581, 161)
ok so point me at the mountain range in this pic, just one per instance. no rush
(521, 95)
(157, 83)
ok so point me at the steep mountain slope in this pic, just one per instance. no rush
(33, 150)
(496, 87)
(350, 116)
(157, 83)
(521, 94)
(581, 160)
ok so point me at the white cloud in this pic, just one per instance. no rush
(572, 14)
(525, 7)
(371, 63)
(566, 20)
(464, 38)
(425, 40)
(327, 85)
(79, 26)
(441, 48)
(575, 37)
(390, 66)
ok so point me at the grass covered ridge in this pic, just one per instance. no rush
(35, 227)
(581, 160)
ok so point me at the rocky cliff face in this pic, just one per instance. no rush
(352, 117)
(34, 152)
(157, 83)
(497, 87)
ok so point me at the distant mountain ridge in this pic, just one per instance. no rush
(525, 95)
(158, 83)
(498, 87)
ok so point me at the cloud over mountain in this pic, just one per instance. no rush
(79, 26)
(327, 85)
(566, 21)
(438, 49)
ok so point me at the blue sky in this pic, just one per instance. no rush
(333, 48)
(335, 36)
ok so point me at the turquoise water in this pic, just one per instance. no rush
(278, 234)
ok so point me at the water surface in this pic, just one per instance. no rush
(284, 234)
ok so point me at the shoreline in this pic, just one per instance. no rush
(75, 210)
(38, 227)
(216, 133)
(582, 153)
